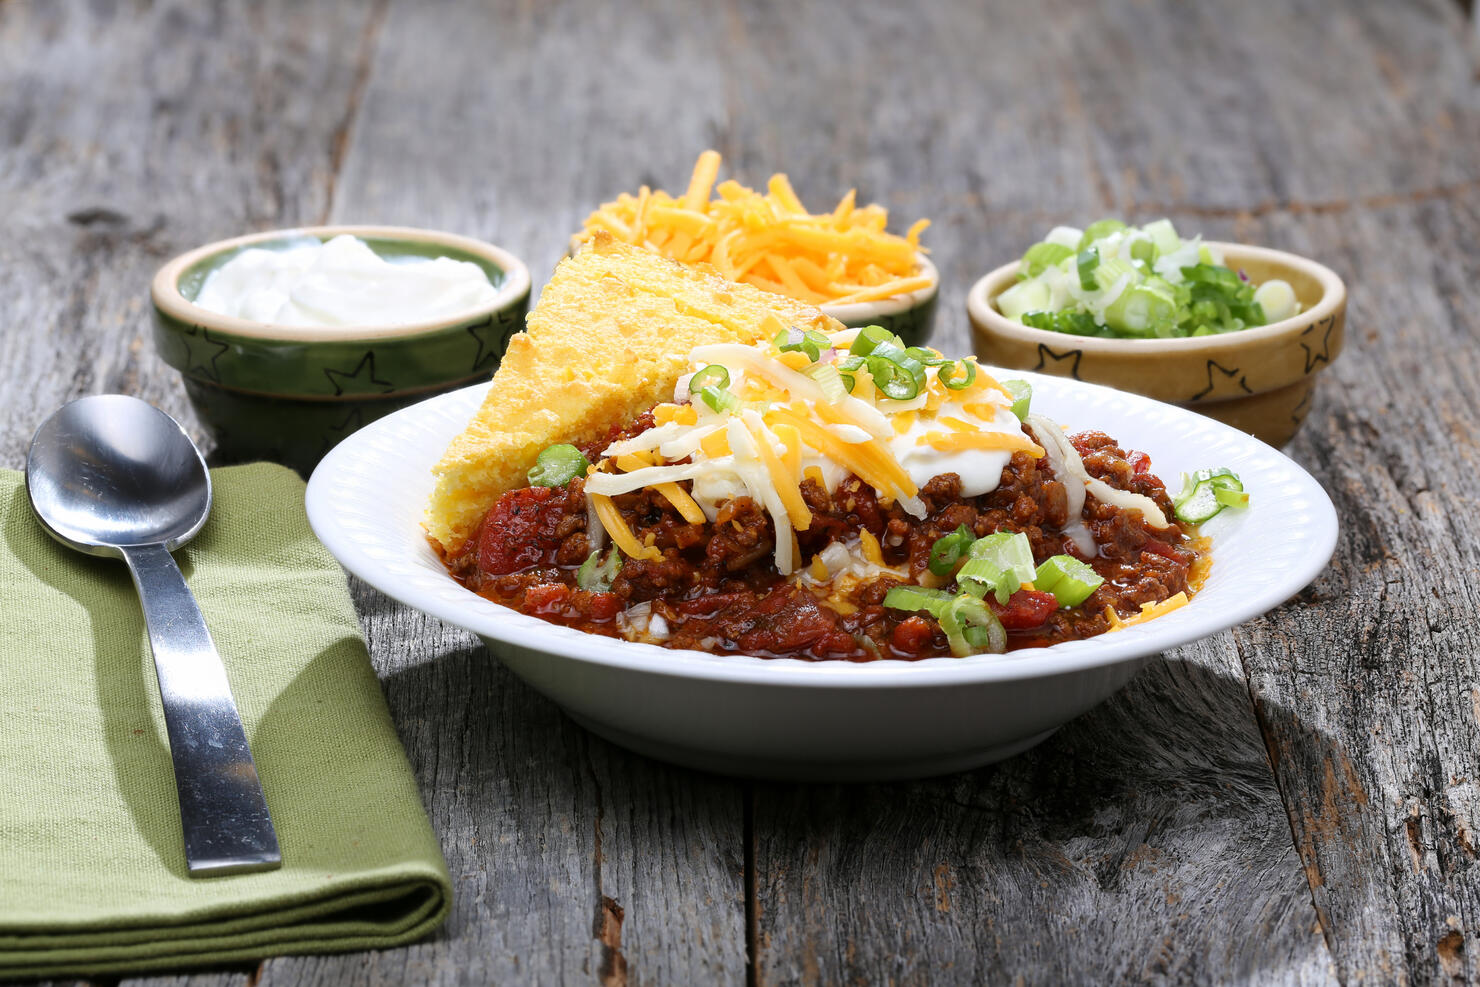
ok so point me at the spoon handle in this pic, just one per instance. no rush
(222, 808)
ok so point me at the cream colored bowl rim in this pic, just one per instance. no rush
(164, 290)
(855, 312)
(984, 314)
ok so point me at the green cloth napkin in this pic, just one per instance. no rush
(92, 865)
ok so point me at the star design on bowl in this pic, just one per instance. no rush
(206, 366)
(492, 336)
(366, 366)
(1314, 359)
(1217, 375)
(1051, 362)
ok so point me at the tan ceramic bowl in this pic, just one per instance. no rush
(1258, 380)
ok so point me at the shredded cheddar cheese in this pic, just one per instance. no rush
(1149, 611)
(774, 425)
(616, 529)
(769, 239)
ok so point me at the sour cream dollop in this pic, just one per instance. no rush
(342, 283)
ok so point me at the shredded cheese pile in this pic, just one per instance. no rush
(769, 240)
(777, 425)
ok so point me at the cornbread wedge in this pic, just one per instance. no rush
(609, 338)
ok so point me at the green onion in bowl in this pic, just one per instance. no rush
(1131, 282)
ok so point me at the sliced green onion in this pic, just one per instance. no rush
(557, 466)
(929, 357)
(917, 598)
(1041, 256)
(1113, 269)
(896, 373)
(1086, 263)
(829, 379)
(713, 375)
(1229, 497)
(719, 399)
(1199, 497)
(948, 549)
(869, 337)
(1025, 296)
(1022, 396)
(597, 576)
(1068, 579)
(971, 628)
(810, 342)
(1164, 235)
(999, 563)
(947, 374)
(1073, 323)
(1141, 310)
(978, 577)
(1099, 230)
(1144, 251)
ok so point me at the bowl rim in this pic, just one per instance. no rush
(893, 305)
(367, 548)
(985, 317)
(164, 289)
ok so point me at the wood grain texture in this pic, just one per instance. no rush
(1292, 802)
(133, 132)
(1368, 692)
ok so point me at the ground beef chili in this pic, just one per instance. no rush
(715, 587)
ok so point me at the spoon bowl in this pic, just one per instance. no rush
(111, 470)
(112, 475)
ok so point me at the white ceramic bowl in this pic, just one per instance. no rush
(783, 718)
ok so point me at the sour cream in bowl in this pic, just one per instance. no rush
(342, 282)
(288, 341)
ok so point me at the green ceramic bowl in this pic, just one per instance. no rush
(911, 316)
(290, 393)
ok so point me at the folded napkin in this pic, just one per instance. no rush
(92, 865)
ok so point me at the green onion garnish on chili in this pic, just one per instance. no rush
(1207, 492)
(597, 572)
(999, 564)
(948, 549)
(557, 466)
(1068, 579)
(869, 337)
(957, 375)
(810, 342)
(896, 374)
(1022, 396)
(713, 375)
(719, 399)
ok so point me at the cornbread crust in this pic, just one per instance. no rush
(609, 339)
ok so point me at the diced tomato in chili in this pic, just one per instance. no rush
(520, 530)
(789, 620)
(1140, 462)
(549, 598)
(1024, 609)
(1158, 547)
(912, 635)
(603, 606)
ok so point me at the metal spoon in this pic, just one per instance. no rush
(112, 475)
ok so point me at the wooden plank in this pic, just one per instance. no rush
(132, 135)
(1367, 690)
(1145, 841)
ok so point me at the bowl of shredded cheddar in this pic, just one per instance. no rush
(844, 261)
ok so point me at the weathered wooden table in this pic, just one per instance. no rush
(1294, 801)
